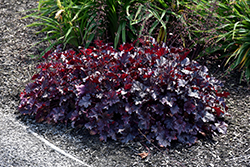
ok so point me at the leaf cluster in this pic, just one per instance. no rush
(236, 41)
(79, 23)
(151, 89)
(227, 33)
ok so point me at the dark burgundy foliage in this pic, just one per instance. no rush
(151, 89)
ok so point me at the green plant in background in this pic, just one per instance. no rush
(147, 15)
(79, 22)
(163, 17)
(237, 36)
(68, 22)
(133, 19)
(227, 29)
(199, 21)
(118, 25)
(175, 27)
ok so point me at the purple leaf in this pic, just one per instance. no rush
(185, 62)
(112, 97)
(175, 109)
(221, 127)
(168, 100)
(128, 138)
(85, 101)
(158, 109)
(194, 93)
(29, 88)
(179, 124)
(161, 62)
(81, 89)
(131, 108)
(162, 141)
(187, 139)
(57, 114)
(169, 122)
(189, 107)
(74, 115)
(182, 82)
(137, 86)
(208, 117)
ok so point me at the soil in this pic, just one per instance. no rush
(17, 67)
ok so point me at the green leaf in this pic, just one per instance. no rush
(54, 32)
(117, 36)
(143, 24)
(243, 54)
(90, 27)
(49, 26)
(67, 40)
(234, 30)
(58, 2)
(47, 29)
(68, 33)
(157, 16)
(49, 48)
(247, 74)
(85, 6)
(131, 36)
(138, 11)
(236, 52)
(90, 39)
(47, 19)
(132, 28)
(123, 31)
(153, 27)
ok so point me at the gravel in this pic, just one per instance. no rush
(23, 142)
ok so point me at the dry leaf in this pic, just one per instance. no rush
(58, 13)
(143, 155)
(92, 132)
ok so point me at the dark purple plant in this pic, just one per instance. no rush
(151, 88)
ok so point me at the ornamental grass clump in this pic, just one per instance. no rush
(222, 27)
(79, 22)
(121, 94)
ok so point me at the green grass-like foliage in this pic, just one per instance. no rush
(68, 22)
(79, 22)
(228, 26)
(237, 36)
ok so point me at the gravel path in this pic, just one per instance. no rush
(19, 146)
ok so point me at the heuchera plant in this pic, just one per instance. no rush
(151, 89)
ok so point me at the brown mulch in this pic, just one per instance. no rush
(16, 69)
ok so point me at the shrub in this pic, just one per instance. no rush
(234, 36)
(151, 89)
(80, 22)
(223, 27)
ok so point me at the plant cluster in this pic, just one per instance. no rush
(227, 33)
(207, 27)
(117, 94)
(234, 36)
(80, 22)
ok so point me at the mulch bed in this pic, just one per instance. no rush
(16, 69)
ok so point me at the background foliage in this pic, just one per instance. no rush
(222, 27)
(78, 23)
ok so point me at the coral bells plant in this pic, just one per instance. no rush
(121, 94)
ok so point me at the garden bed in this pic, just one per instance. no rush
(16, 69)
